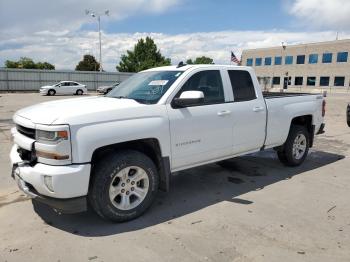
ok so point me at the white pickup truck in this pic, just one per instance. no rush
(116, 151)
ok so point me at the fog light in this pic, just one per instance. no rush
(48, 182)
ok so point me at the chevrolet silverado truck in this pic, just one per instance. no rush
(113, 153)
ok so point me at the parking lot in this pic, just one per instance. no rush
(251, 209)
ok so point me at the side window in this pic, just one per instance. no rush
(242, 85)
(74, 84)
(209, 82)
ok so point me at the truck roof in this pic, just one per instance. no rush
(186, 67)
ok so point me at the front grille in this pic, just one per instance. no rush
(29, 132)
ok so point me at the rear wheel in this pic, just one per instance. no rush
(51, 92)
(296, 147)
(79, 92)
(124, 185)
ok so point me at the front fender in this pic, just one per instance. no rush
(88, 138)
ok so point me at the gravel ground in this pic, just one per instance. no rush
(253, 209)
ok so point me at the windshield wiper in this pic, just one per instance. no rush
(121, 97)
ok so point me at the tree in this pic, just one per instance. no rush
(11, 64)
(144, 56)
(28, 63)
(88, 63)
(45, 65)
(200, 60)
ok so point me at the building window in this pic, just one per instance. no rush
(288, 60)
(249, 61)
(258, 61)
(300, 59)
(267, 60)
(298, 81)
(276, 80)
(278, 60)
(339, 81)
(342, 57)
(327, 58)
(313, 58)
(324, 81)
(311, 81)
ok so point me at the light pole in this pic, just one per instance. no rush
(98, 15)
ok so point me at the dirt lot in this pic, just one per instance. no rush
(253, 209)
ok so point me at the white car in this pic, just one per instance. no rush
(116, 151)
(64, 88)
(106, 89)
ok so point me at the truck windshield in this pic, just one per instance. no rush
(146, 87)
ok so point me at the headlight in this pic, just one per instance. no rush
(53, 145)
(50, 137)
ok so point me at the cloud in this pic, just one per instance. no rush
(325, 14)
(65, 49)
(18, 16)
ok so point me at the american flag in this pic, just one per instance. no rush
(234, 59)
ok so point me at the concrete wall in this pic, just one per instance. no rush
(31, 80)
(305, 70)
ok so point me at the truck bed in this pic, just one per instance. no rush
(283, 94)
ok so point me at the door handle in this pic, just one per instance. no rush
(224, 113)
(258, 109)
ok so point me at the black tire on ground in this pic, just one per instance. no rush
(108, 90)
(51, 92)
(107, 171)
(286, 155)
(79, 92)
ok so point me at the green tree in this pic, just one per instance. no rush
(200, 60)
(28, 63)
(11, 64)
(88, 63)
(144, 56)
(45, 65)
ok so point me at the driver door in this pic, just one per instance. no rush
(203, 132)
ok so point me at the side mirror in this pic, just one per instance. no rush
(189, 98)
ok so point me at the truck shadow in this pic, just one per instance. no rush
(192, 190)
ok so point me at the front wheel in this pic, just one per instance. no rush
(51, 92)
(296, 147)
(124, 185)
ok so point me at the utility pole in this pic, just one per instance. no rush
(98, 16)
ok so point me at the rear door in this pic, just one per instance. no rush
(204, 132)
(248, 112)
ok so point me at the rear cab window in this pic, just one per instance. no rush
(242, 85)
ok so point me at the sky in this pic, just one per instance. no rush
(60, 32)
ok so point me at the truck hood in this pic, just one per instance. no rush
(87, 109)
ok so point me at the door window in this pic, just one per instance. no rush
(209, 82)
(242, 85)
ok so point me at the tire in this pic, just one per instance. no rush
(109, 179)
(79, 92)
(299, 138)
(51, 92)
(108, 90)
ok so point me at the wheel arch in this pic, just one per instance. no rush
(148, 146)
(307, 121)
